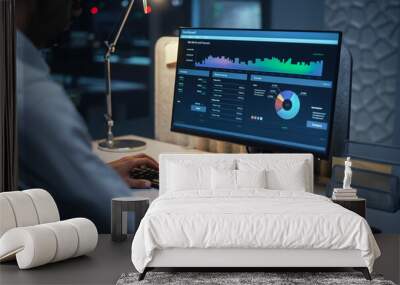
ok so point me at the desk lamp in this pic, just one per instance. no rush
(111, 144)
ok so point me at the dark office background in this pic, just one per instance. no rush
(371, 31)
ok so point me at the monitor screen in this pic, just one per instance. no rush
(255, 87)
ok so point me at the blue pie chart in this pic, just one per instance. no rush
(287, 105)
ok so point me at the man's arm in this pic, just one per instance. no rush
(56, 154)
(124, 166)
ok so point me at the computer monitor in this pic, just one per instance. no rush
(259, 88)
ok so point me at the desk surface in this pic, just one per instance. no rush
(153, 148)
(106, 264)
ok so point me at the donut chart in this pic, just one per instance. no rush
(287, 104)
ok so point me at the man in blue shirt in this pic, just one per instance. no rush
(54, 144)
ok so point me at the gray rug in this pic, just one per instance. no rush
(244, 278)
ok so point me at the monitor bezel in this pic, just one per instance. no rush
(270, 146)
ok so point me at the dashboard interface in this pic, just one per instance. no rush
(257, 87)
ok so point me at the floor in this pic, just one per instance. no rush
(103, 266)
(389, 262)
(110, 260)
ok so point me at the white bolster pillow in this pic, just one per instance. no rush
(45, 205)
(87, 235)
(37, 245)
(24, 211)
(67, 240)
(26, 208)
(7, 219)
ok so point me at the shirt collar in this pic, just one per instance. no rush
(29, 54)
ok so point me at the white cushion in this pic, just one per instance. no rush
(251, 178)
(290, 177)
(284, 174)
(32, 246)
(193, 175)
(223, 179)
(23, 208)
(37, 245)
(183, 177)
(233, 161)
(87, 235)
(67, 237)
(45, 205)
(231, 180)
(31, 232)
(26, 208)
(7, 218)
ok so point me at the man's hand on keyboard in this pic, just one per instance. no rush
(125, 165)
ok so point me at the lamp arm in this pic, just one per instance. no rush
(111, 48)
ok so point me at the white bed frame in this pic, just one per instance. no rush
(251, 258)
(233, 257)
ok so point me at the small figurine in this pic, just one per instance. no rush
(347, 174)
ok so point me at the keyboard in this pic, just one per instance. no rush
(146, 173)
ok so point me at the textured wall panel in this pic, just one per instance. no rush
(372, 33)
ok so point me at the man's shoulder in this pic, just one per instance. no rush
(44, 102)
(28, 74)
(39, 91)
